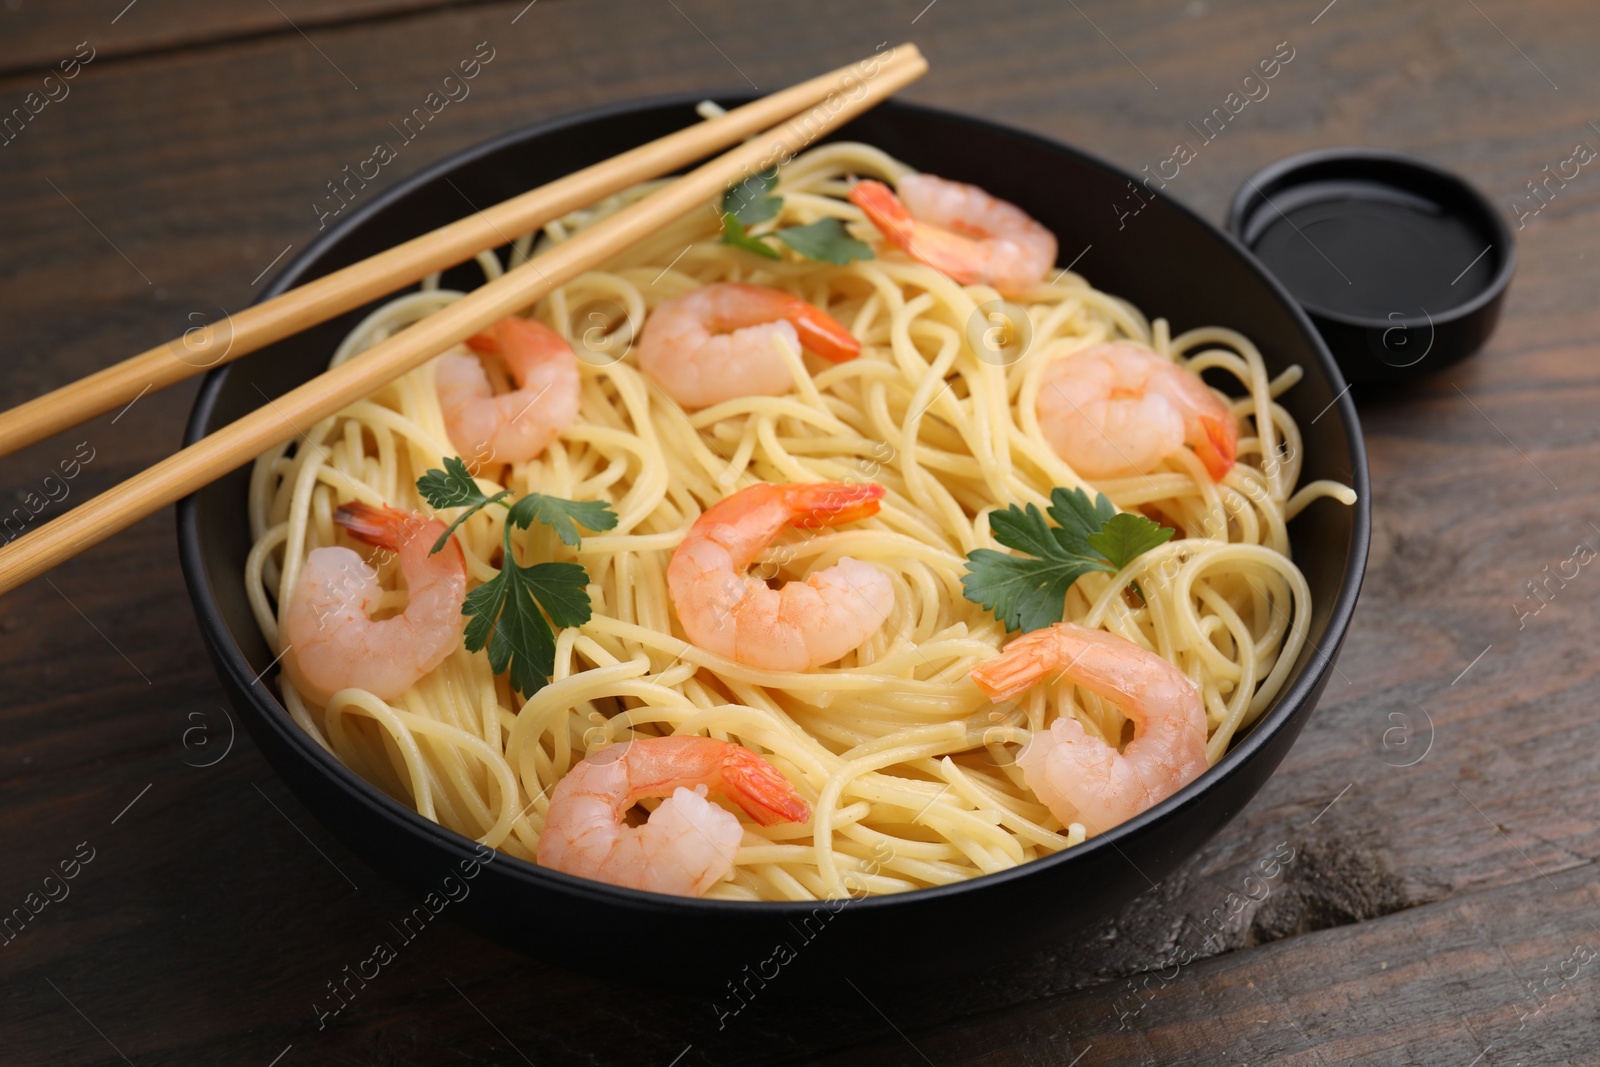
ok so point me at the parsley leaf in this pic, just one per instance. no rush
(559, 588)
(504, 614)
(1023, 593)
(1075, 514)
(504, 617)
(454, 487)
(561, 515)
(1030, 593)
(1024, 530)
(733, 233)
(825, 240)
(1125, 537)
(748, 201)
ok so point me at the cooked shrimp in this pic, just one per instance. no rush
(513, 427)
(688, 844)
(1117, 409)
(800, 626)
(331, 643)
(1081, 778)
(716, 342)
(961, 231)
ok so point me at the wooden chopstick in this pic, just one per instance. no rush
(350, 287)
(282, 419)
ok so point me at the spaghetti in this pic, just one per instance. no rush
(909, 769)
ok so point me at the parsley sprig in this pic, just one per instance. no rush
(1029, 592)
(503, 614)
(748, 203)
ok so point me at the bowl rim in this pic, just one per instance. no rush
(271, 711)
(1254, 188)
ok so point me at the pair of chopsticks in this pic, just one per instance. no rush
(778, 127)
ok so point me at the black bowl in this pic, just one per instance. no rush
(1415, 221)
(1165, 259)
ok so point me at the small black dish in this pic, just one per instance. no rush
(1169, 261)
(1402, 266)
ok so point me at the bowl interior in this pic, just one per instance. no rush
(1349, 179)
(1158, 255)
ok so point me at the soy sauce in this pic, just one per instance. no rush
(1365, 249)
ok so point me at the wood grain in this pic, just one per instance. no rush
(207, 924)
(1458, 981)
(322, 299)
(38, 35)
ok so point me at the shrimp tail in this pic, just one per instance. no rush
(823, 334)
(817, 504)
(886, 211)
(513, 335)
(759, 790)
(1218, 446)
(944, 251)
(376, 524)
(487, 342)
(1024, 662)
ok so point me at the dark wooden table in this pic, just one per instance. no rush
(1442, 808)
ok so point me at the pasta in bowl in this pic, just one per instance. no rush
(846, 508)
